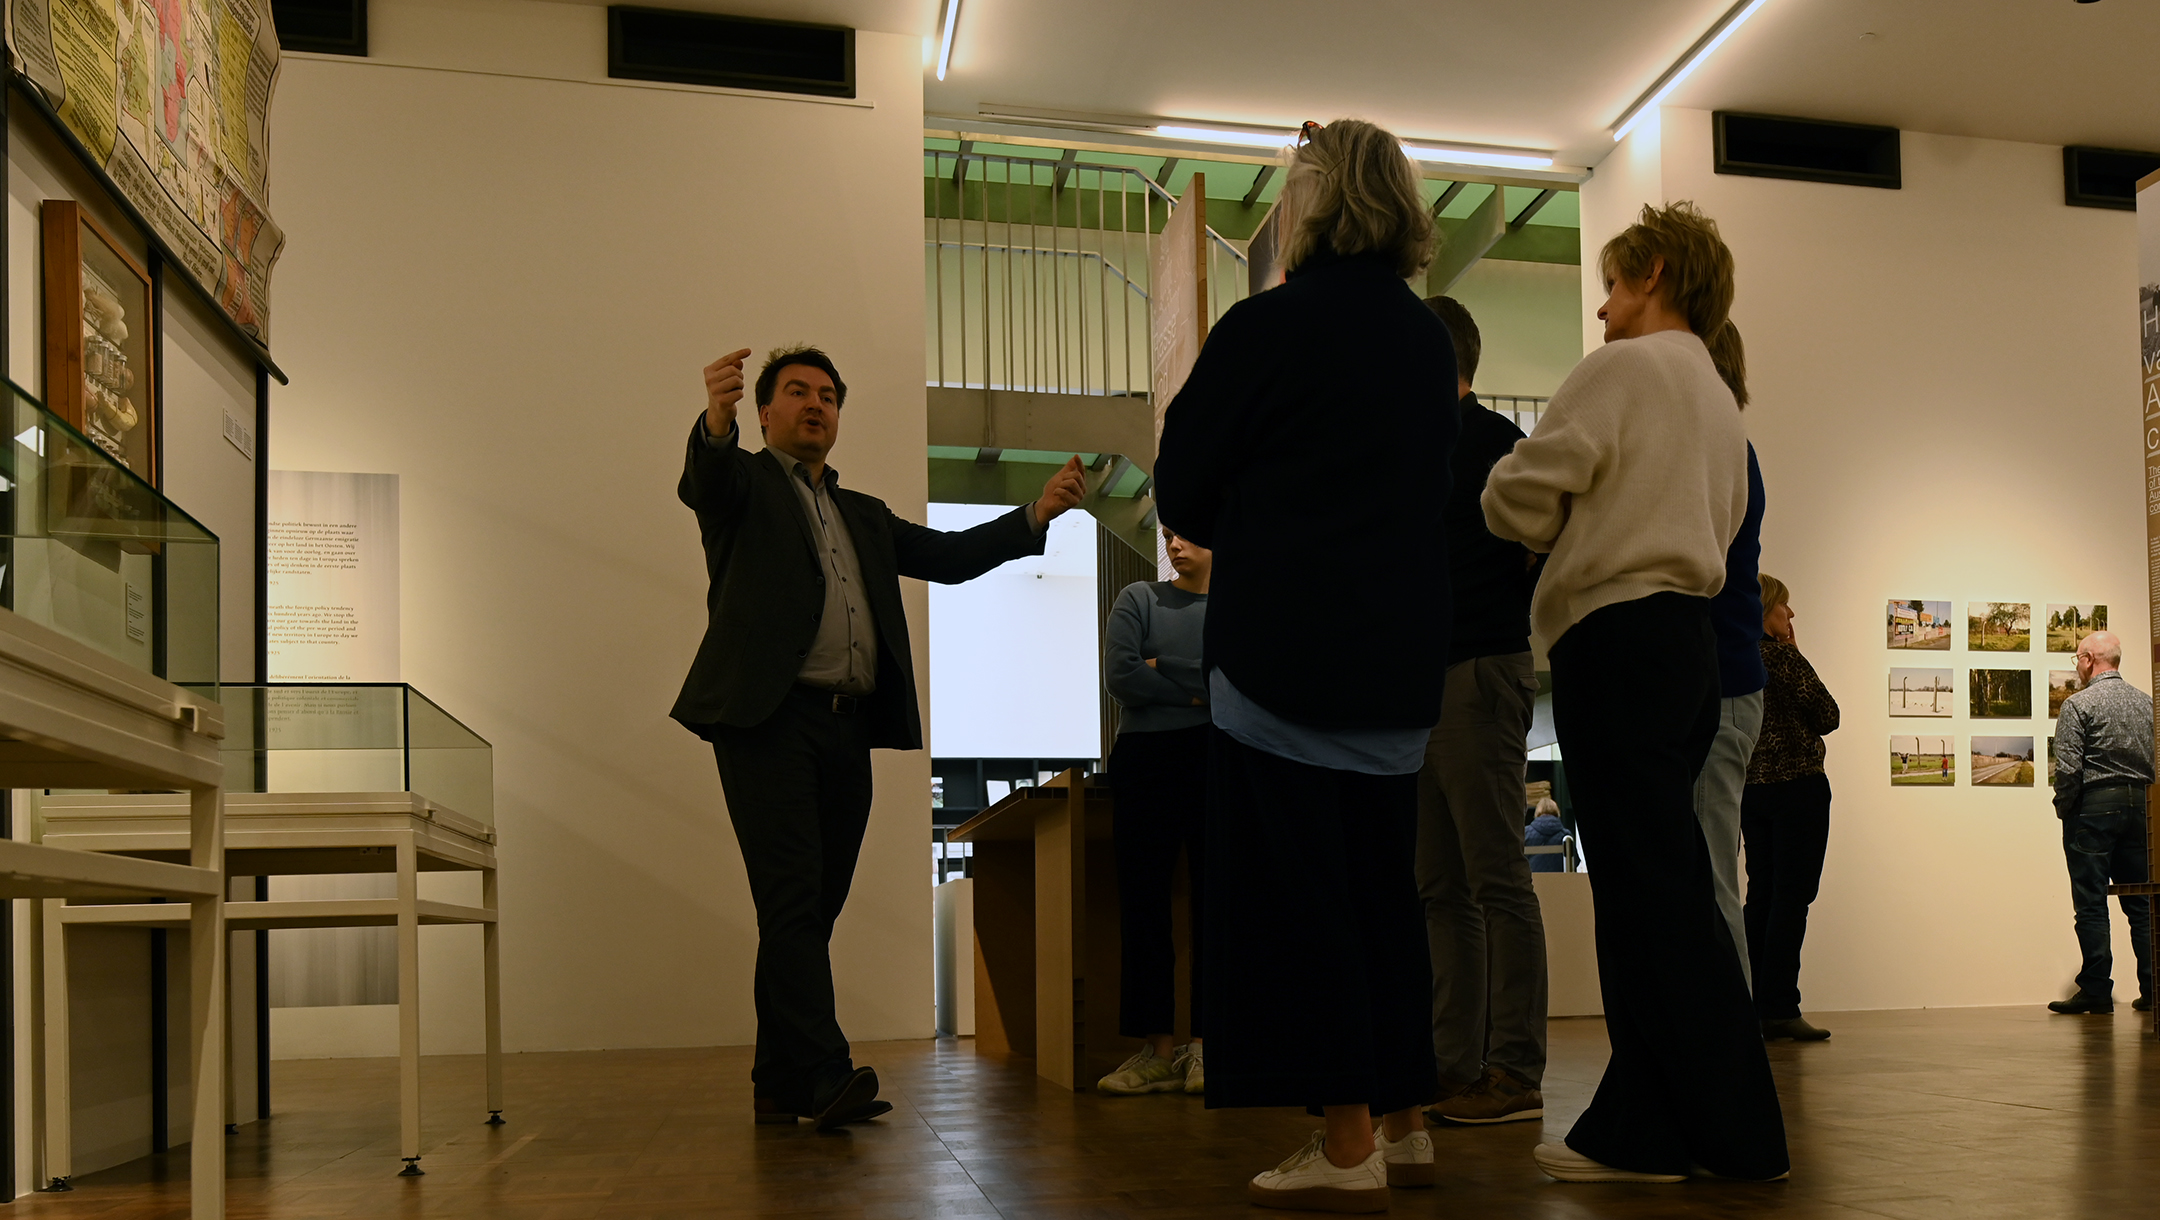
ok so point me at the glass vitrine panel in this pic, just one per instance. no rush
(354, 737)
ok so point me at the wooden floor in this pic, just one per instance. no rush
(1951, 1114)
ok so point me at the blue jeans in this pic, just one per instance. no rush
(2105, 840)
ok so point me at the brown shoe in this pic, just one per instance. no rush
(1498, 1098)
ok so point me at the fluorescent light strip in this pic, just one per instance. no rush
(1471, 156)
(1278, 139)
(1733, 19)
(952, 22)
(1215, 135)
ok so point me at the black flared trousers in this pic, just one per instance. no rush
(1319, 989)
(1161, 784)
(1787, 829)
(1635, 702)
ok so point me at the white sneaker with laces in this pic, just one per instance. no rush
(1409, 1159)
(1145, 1072)
(1308, 1181)
(1566, 1164)
(1189, 1063)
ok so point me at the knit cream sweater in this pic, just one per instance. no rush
(1635, 480)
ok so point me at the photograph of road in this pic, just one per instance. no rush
(2067, 625)
(2062, 683)
(2005, 762)
(1917, 761)
(1998, 626)
(1919, 624)
(1921, 692)
(2000, 694)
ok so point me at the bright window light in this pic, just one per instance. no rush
(1473, 156)
(944, 51)
(1734, 19)
(1215, 135)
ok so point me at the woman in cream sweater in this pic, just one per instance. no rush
(1636, 482)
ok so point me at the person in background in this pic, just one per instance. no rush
(1158, 771)
(1319, 991)
(1736, 615)
(1636, 483)
(1546, 830)
(1482, 922)
(2103, 762)
(1785, 818)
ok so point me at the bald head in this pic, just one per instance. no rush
(2097, 654)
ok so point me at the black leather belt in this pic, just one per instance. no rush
(841, 705)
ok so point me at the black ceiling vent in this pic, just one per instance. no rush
(2104, 177)
(732, 52)
(1807, 150)
(332, 27)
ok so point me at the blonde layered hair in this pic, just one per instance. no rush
(1698, 271)
(1774, 592)
(1352, 187)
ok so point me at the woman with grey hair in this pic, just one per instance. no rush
(1319, 989)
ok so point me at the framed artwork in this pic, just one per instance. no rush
(1923, 761)
(1921, 625)
(2062, 683)
(1921, 692)
(2000, 694)
(2067, 626)
(100, 362)
(1998, 626)
(2002, 762)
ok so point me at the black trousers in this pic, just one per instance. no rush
(1161, 784)
(1319, 990)
(1635, 702)
(2105, 841)
(1786, 826)
(798, 792)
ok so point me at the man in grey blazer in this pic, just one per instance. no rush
(804, 669)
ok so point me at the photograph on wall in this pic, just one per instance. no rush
(2062, 683)
(1921, 692)
(1922, 761)
(2002, 762)
(1998, 626)
(2068, 625)
(1919, 624)
(2000, 694)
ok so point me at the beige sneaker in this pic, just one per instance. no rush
(1145, 1072)
(1308, 1181)
(1498, 1098)
(1409, 1159)
(1189, 1063)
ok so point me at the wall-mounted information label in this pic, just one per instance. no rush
(239, 436)
(333, 543)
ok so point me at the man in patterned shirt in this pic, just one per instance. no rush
(2103, 762)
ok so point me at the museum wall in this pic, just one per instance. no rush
(1526, 319)
(503, 275)
(1945, 408)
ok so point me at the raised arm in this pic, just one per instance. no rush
(1132, 681)
(711, 480)
(951, 557)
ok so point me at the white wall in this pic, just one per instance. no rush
(1972, 335)
(502, 288)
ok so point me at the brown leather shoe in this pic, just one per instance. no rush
(1498, 1098)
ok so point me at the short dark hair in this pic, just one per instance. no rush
(803, 354)
(1464, 331)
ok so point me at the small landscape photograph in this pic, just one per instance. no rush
(2003, 762)
(1921, 692)
(1998, 626)
(2051, 756)
(2062, 683)
(1921, 625)
(1923, 761)
(2000, 694)
(2068, 625)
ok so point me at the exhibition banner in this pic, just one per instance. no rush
(172, 97)
(2148, 213)
(333, 565)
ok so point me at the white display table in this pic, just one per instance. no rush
(286, 834)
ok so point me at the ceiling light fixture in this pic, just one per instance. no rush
(1702, 50)
(1479, 156)
(1491, 158)
(1218, 135)
(952, 22)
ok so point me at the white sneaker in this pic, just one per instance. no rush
(1190, 1063)
(1409, 1159)
(1562, 1162)
(1145, 1072)
(1308, 1181)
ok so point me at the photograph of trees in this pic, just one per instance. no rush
(2068, 625)
(1998, 626)
(2000, 694)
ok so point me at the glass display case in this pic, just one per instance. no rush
(354, 737)
(91, 550)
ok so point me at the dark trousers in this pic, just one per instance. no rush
(2105, 841)
(798, 792)
(1786, 826)
(1160, 780)
(1319, 992)
(1635, 702)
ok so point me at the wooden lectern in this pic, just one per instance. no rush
(1046, 929)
